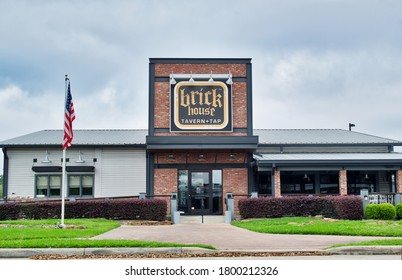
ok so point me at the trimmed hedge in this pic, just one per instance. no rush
(117, 209)
(337, 207)
(384, 211)
(398, 210)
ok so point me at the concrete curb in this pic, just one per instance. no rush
(366, 250)
(28, 252)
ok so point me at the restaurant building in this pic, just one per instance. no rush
(200, 143)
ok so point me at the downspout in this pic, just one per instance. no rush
(5, 174)
(251, 174)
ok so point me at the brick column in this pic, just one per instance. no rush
(398, 181)
(343, 182)
(277, 183)
(165, 182)
(235, 180)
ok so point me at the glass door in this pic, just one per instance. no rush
(200, 193)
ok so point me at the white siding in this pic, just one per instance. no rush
(20, 176)
(118, 172)
(123, 173)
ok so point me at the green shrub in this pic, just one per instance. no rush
(372, 211)
(117, 209)
(338, 207)
(384, 211)
(398, 210)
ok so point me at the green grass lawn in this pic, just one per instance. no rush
(303, 225)
(380, 242)
(45, 234)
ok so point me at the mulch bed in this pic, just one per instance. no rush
(170, 256)
(145, 223)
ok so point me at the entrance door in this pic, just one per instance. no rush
(200, 192)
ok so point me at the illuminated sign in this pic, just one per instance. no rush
(201, 106)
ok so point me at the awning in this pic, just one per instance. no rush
(329, 161)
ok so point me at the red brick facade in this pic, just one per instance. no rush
(162, 94)
(166, 182)
(232, 162)
(164, 70)
(235, 181)
(162, 105)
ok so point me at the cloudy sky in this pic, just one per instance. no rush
(316, 63)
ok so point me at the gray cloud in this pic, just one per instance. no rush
(316, 64)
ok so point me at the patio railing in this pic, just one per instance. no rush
(379, 198)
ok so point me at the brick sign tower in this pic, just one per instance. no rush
(200, 140)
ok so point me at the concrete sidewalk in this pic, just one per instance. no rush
(229, 238)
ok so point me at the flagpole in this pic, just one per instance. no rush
(63, 177)
(63, 188)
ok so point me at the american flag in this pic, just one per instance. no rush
(69, 117)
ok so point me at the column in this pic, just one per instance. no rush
(277, 183)
(398, 181)
(343, 182)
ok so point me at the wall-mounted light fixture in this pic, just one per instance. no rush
(211, 81)
(46, 160)
(201, 157)
(229, 81)
(172, 80)
(171, 156)
(193, 78)
(191, 81)
(80, 160)
(232, 157)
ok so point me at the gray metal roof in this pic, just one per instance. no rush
(110, 137)
(267, 137)
(307, 157)
(318, 136)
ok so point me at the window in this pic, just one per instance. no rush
(264, 182)
(48, 185)
(329, 183)
(80, 185)
(297, 183)
(358, 180)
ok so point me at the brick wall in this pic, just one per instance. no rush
(162, 93)
(239, 105)
(165, 182)
(235, 180)
(192, 157)
(162, 105)
(163, 70)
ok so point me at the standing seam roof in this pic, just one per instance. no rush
(138, 137)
